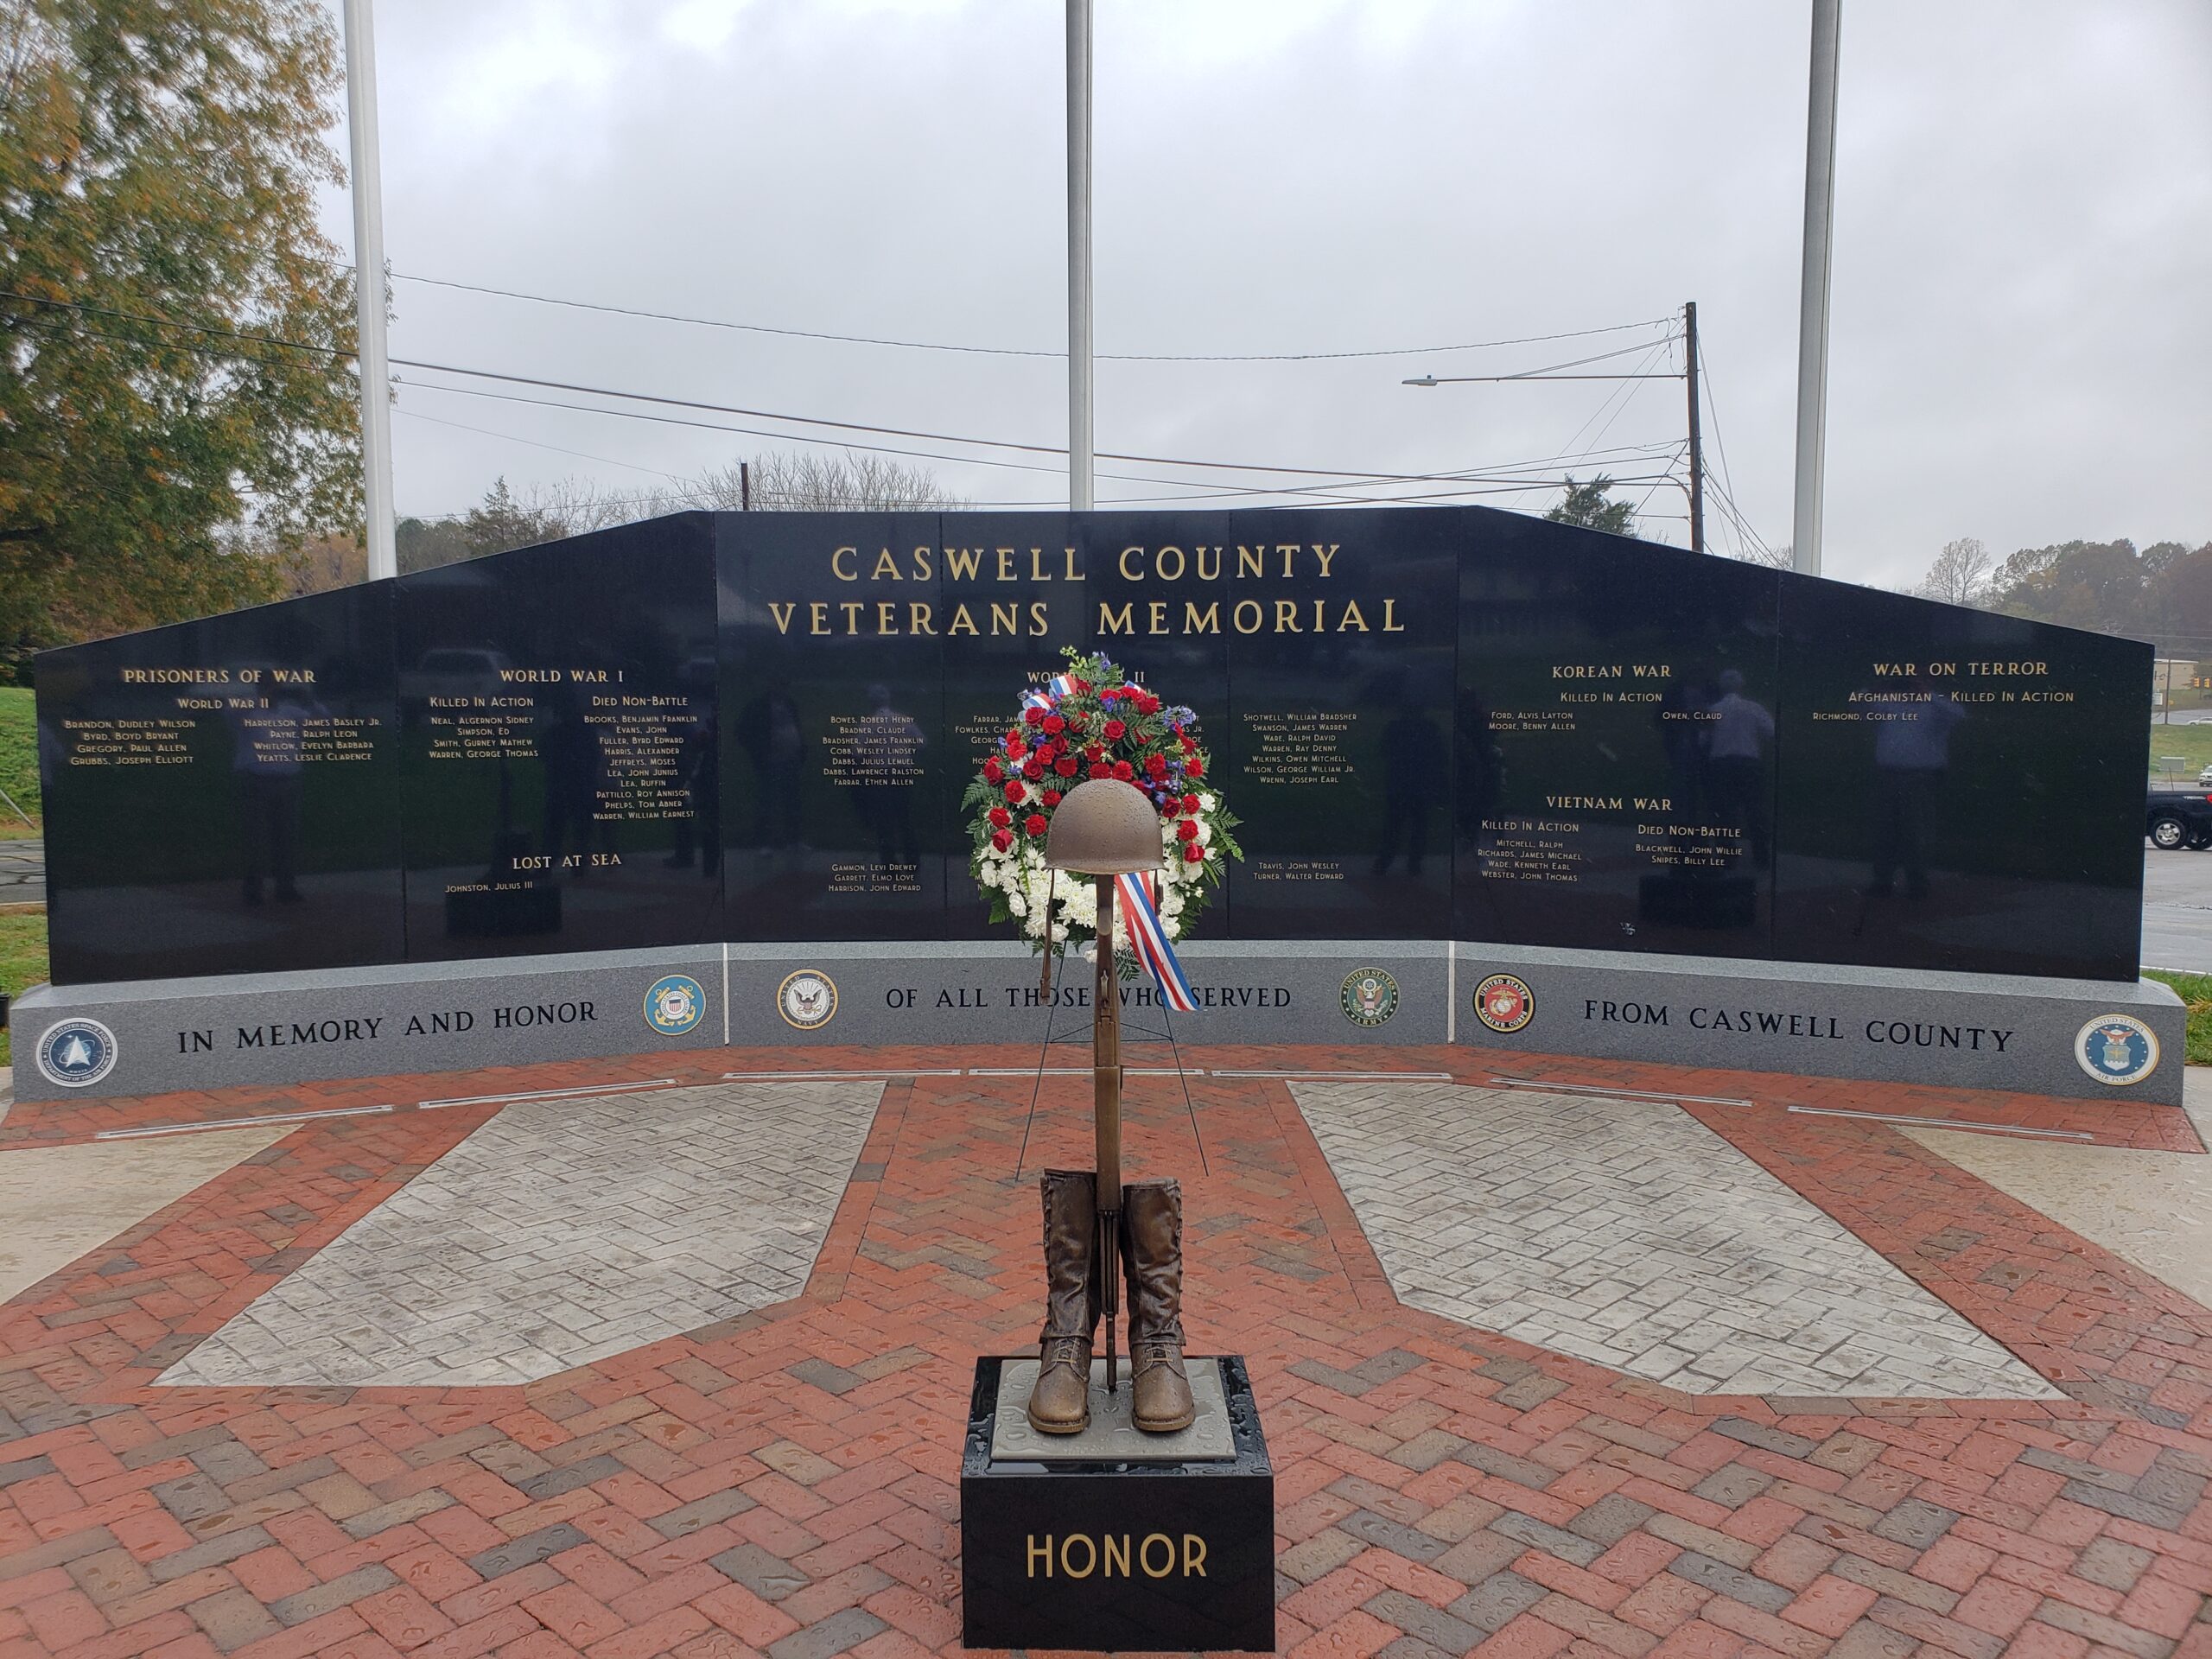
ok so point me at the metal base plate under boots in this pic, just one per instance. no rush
(1111, 1438)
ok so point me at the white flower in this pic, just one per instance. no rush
(1205, 802)
(1017, 903)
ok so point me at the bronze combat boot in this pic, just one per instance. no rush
(1060, 1403)
(1152, 1247)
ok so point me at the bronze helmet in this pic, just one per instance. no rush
(1104, 827)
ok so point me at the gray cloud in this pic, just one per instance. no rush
(2023, 238)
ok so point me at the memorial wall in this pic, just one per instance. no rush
(1435, 723)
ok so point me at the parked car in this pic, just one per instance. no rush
(2179, 817)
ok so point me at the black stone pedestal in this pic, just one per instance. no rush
(1118, 1557)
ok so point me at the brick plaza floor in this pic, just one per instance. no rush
(1552, 1357)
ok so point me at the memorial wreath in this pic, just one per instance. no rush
(1093, 721)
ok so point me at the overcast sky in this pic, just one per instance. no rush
(2021, 338)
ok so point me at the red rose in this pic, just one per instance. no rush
(1168, 809)
(1190, 744)
(1193, 854)
(1014, 734)
(1052, 796)
(1013, 789)
(1114, 729)
(1093, 751)
(1002, 839)
(1000, 817)
(1149, 706)
(1064, 765)
(1033, 768)
(1035, 824)
(1124, 771)
(1187, 829)
(1033, 716)
(1195, 766)
(1015, 746)
(1157, 765)
(1190, 803)
(1055, 725)
(992, 771)
(1101, 771)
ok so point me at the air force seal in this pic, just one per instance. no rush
(1369, 996)
(75, 1053)
(675, 1004)
(2117, 1048)
(1504, 1003)
(807, 999)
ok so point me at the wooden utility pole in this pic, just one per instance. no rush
(1697, 444)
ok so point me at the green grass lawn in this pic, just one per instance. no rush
(22, 958)
(2193, 743)
(2195, 991)
(19, 760)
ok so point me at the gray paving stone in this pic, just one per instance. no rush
(1496, 1601)
(1719, 1577)
(558, 1233)
(767, 1576)
(532, 1547)
(1424, 1623)
(836, 1634)
(1627, 1234)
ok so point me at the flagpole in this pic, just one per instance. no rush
(373, 363)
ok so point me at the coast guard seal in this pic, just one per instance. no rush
(75, 1053)
(675, 1004)
(2117, 1048)
(807, 999)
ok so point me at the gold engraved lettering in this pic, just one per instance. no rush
(1198, 621)
(1114, 1557)
(885, 566)
(1144, 1555)
(1389, 613)
(1251, 560)
(1073, 575)
(783, 614)
(852, 609)
(1205, 575)
(923, 571)
(1156, 615)
(1005, 618)
(917, 620)
(1289, 551)
(1040, 1553)
(1194, 1556)
(818, 617)
(1237, 616)
(964, 562)
(839, 570)
(1005, 564)
(1159, 564)
(1324, 556)
(887, 613)
(1113, 622)
(1090, 1555)
(962, 622)
(1039, 623)
(1129, 575)
(1286, 616)
(1037, 565)
(1351, 620)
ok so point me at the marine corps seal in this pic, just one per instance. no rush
(1504, 1003)
(1369, 996)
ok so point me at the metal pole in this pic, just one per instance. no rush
(1813, 310)
(745, 486)
(1106, 1114)
(1697, 444)
(368, 284)
(1079, 439)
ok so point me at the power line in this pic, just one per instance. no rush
(1014, 351)
(711, 408)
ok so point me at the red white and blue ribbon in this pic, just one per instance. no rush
(1149, 940)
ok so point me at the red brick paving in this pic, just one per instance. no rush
(785, 1483)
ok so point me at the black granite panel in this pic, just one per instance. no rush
(836, 767)
(1118, 1557)
(221, 796)
(1617, 743)
(1960, 790)
(1339, 629)
(558, 725)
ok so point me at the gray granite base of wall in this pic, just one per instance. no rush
(1969, 1031)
